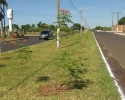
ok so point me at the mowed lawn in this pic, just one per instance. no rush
(45, 66)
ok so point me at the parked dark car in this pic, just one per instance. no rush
(46, 34)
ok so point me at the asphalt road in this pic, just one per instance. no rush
(113, 48)
(6, 46)
(30, 40)
(115, 44)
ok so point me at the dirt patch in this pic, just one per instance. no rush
(5, 58)
(53, 89)
(56, 89)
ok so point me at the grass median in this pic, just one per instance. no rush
(77, 64)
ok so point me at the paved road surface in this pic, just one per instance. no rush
(6, 46)
(113, 48)
(115, 44)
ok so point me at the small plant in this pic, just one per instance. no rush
(10, 33)
(24, 55)
(23, 52)
(72, 67)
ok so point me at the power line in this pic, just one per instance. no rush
(112, 19)
(74, 6)
(117, 16)
(81, 20)
(80, 12)
(23, 13)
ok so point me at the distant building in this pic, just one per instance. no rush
(120, 28)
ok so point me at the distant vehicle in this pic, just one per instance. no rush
(98, 30)
(46, 34)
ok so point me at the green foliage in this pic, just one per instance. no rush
(65, 18)
(106, 28)
(15, 26)
(30, 30)
(39, 24)
(98, 28)
(33, 26)
(4, 2)
(36, 29)
(23, 51)
(24, 55)
(26, 27)
(103, 28)
(122, 21)
(52, 27)
(70, 64)
(20, 81)
(10, 33)
(76, 26)
(83, 28)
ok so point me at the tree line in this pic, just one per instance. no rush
(120, 22)
(43, 26)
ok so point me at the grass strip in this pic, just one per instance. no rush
(22, 81)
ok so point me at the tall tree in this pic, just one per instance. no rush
(26, 27)
(98, 28)
(52, 27)
(33, 26)
(39, 24)
(15, 26)
(76, 26)
(65, 17)
(2, 4)
(122, 21)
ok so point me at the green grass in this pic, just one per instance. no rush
(22, 81)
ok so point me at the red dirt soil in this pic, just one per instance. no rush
(53, 89)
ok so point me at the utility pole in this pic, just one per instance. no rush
(58, 12)
(58, 22)
(118, 16)
(1, 22)
(85, 24)
(112, 19)
(81, 20)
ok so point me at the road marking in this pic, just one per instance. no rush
(120, 34)
(111, 74)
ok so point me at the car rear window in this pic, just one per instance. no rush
(45, 32)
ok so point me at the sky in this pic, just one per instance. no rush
(96, 12)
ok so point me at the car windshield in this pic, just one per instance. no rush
(45, 32)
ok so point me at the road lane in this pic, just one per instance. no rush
(113, 48)
(6, 46)
(30, 40)
(115, 44)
